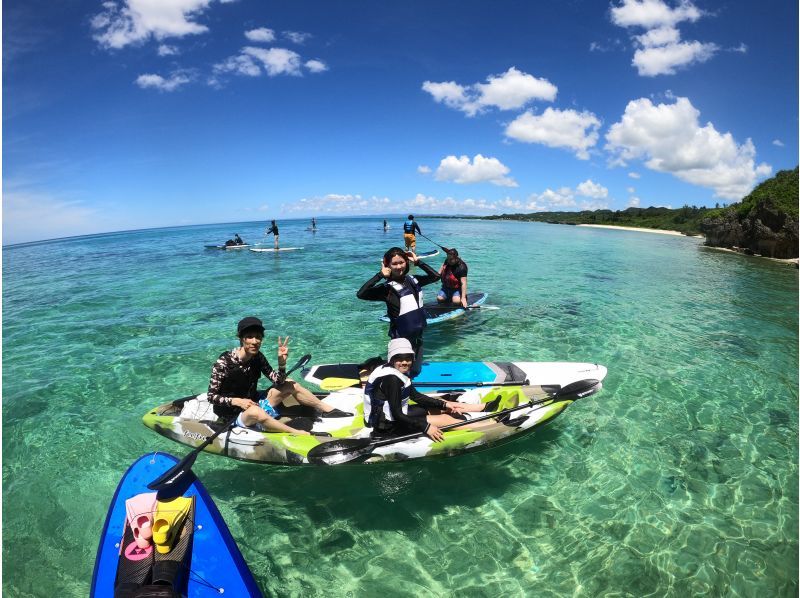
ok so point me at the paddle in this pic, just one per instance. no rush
(435, 243)
(334, 384)
(176, 475)
(345, 450)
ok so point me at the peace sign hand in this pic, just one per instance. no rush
(386, 271)
(283, 350)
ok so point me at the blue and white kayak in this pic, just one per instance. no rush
(215, 565)
(436, 312)
(449, 375)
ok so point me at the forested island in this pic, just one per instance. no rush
(763, 223)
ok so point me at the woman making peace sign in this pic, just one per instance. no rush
(234, 379)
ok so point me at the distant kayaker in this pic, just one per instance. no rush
(387, 394)
(402, 294)
(232, 389)
(273, 230)
(454, 280)
(410, 228)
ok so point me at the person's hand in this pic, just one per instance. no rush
(283, 350)
(385, 270)
(243, 404)
(412, 257)
(455, 407)
(434, 433)
(464, 302)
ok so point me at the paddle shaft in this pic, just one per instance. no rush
(348, 382)
(435, 243)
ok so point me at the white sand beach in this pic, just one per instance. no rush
(643, 230)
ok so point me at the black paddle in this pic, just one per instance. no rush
(176, 475)
(437, 245)
(337, 452)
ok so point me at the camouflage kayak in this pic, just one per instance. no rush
(520, 409)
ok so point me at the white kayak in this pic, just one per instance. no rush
(449, 375)
(273, 250)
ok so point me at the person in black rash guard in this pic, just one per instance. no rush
(234, 378)
(386, 396)
(273, 230)
(237, 240)
(454, 280)
(402, 294)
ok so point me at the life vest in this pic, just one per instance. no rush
(376, 407)
(408, 227)
(449, 279)
(411, 319)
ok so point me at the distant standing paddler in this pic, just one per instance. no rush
(385, 225)
(273, 230)
(409, 229)
(313, 223)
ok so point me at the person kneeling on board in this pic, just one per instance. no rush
(454, 280)
(234, 378)
(388, 391)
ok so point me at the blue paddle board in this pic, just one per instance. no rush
(216, 565)
(436, 313)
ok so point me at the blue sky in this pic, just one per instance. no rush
(131, 114)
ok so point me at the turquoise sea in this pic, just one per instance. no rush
(680, 478)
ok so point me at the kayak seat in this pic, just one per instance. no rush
(502, 399)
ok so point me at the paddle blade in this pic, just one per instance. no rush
(338, 383)
(579, 389)
(341, 451)
(176, 479)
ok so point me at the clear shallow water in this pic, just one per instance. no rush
(680, 478)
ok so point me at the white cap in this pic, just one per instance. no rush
(400, 346)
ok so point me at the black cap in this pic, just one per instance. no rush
(249, 322)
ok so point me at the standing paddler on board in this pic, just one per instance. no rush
(410, 228)
(232, 389)
(273, 230)
(402, 294)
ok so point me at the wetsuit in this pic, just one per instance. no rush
(272, 229)
(386, 408)
(232, 378)
(403, 306)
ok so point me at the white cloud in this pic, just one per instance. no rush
(479, 170)
(276, 61)
(507, 91)
(166, 50)
(669, 138)
(135, 21)
(296, 36)
(589, 188)
(316, 66)
(660, 50)
(253, 61)
(260, 34)
(424, 169)
(661, 36)
(777, 142)
(33, 216)
(631, 190)
(634, 202)
(576, 131)
(175, 81)
(664, 60)
(653, 13)
(634, 175)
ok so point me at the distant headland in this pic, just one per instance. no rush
(764, 223)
